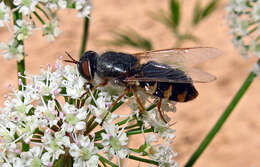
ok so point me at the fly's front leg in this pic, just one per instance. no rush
(127, 90)
(88, 86)
(104, 83)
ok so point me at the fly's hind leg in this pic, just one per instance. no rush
(140, 105)
(159, 104)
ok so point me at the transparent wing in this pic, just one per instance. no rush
(199, 76)
(153, 71)
(191, 76)
(179, 56)
(152, 79)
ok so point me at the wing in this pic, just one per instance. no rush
(153, 71)
(194, 76)
(179, 56)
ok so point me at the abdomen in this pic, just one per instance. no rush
(180, 92)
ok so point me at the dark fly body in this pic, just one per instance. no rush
(159, 73)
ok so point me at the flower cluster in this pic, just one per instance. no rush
(53, 121)
(244, 22)
(26, 13)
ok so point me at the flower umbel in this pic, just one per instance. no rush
(4, 14)
(48, 121)
(31, 15)
(244, 22)
(51, 30)
(12, 50)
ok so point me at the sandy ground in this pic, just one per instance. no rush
(238, 142)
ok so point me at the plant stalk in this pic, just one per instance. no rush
(84, 37)
(143, 160)
(21, 63)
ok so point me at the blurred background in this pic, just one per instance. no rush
(238, 142)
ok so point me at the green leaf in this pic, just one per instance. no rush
(25, 147)
(131, 38)
(175, 12)
(196, 13)
(166, 19)
(188, 37)
(64, 160)
(210, 8)
(143, 147)
(199, 14)
(60, 162)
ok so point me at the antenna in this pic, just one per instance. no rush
(72, 60)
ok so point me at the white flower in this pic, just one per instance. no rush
(46, 84)
(168, 106)
(84, 8)
(55, 4)
(115, 141)
(101, 109)
(238, 5)
(74, 117)
(47, 159)
(26, 6)
(48, 117)
(255, 47)
(31, 158)
(22, 30)
(55, 144)
(256, 11)
(12, 50)
(243, 19)
(74, 83)
(256, 68)
(51, 30)
(4, 14)
(164, 155)
(84, 152)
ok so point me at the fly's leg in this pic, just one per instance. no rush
(140, 105)
(86, 86)
(91, 87)
(104, 83)
(114, 103)
(159, 104)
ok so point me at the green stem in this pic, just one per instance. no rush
(21, 63)
(43, 11)
(39, 17)
(132, 126)
(139, 131)
(85, 36)
(123, 121)
(143, 160)
(106, 161)
(221, 120)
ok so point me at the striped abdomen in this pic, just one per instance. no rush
(180, 92)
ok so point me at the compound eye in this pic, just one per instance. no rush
(85, 70)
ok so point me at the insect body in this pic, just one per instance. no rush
(160, 73)
(180, 92)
